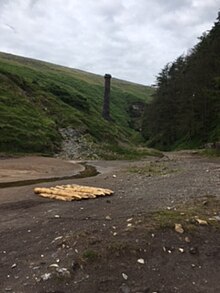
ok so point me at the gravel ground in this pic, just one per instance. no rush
(110, 244)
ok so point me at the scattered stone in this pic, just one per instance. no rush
(124, 276)
(8, 289)
(108, 218)
(129, 220)
(129, 225)
(57, 216)
(179, 228)
(36, 268)
(193, 250)
(201, 222)
(14, 266)
(141, 261)
(46, 276)
(115, 233)
(54, 265)
(63, 273)
(181, 250)
(57, 238)
(114, 176)
(187, 239)
(217, 218)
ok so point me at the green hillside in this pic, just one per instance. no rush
(38, 98)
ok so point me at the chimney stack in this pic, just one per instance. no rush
(106, 103)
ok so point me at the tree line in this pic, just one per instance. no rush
(185, 109)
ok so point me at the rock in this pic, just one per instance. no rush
(108, 218)
(217, 218)
(181, 250)
(46, 276)
(14, 266)
(179, 228)
(124, 276)
(114, 176)
(54, 265)
(141, 261)
(63, 273)
(187, 239)
(193, 250)
(129, 220)
(57, 238)
(201, 222)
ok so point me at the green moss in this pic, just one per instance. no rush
(204, 208)
(90, 255)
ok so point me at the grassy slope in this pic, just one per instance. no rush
(37, 98)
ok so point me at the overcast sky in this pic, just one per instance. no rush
(131, 39)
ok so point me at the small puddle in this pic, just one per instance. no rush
(89, 171)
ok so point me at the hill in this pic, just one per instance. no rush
(185, 111)
(41, 104)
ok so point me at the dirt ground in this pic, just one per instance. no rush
(123, 243)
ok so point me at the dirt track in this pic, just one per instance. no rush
(93, 239)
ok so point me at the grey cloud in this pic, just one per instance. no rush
(131, 39)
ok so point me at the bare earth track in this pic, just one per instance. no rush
(114, 244)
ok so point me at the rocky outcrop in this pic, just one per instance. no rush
(76, 144)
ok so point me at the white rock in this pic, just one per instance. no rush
(54, 265)
(124, 276)
(46, 276)
(179, 228)
(141, 261)
(201, 222)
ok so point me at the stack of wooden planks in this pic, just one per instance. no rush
(72, 192)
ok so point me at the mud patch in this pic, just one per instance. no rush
(89, 171)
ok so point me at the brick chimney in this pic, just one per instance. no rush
(106, 103)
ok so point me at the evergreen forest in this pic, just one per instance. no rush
(185, 109)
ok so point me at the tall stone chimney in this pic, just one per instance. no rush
(106, 103)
